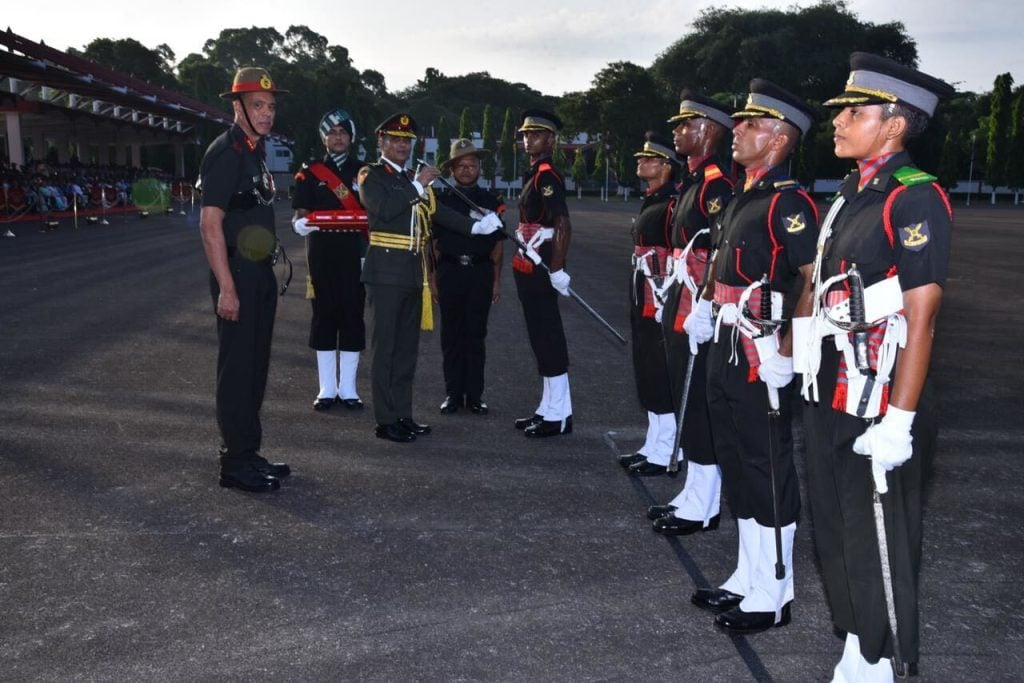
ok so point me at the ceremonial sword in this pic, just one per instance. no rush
(858, 326)
(519, 243)
(773, 432)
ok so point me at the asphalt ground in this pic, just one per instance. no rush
(473, 554)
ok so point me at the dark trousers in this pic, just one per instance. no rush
(464, 294)
(339, 296)
(243, 358)
(543, 322)
(739, 421)
(697, 440)
(395, 344)
(840, 488)
(650, 368)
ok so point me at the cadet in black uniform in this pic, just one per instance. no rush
(658, 166)
(767, 231)
(893, 223)
(237, 226)
(701, 126)
(334, 259)
(545, 229)
(400, 209)
(467, 280)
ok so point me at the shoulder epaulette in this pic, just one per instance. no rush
(545, 166)
(910, 176)
(786, 185)
(711, 172)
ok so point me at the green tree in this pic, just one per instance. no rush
(626, 167)
(998, 132)
(465, 126)
(508, 149)
(1015, 151)
(947, 170)
(579, 171)
(558, 158)
(129, 56)
(489, 165)
(601, 170)
(444, 142)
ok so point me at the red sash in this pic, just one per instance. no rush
(342, 191)
(696, 263)
(729, 294)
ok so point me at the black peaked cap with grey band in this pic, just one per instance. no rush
(768, 100)
(692, 106)
(539, 119)
(878, 80)
(659, 147)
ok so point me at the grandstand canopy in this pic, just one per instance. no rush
(48, 95)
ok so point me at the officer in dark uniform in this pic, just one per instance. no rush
(892, 224)
(545, 230)
(334, 258)
(467, 279)
(237, 226)
(400, 207)
(701, 126)
(658, 166)
(768, 231)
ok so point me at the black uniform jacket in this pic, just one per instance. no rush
(703, 194)
(918, 243)
(454, 243)
(234, 178)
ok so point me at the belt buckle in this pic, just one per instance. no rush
(275, 255)
(465, 260)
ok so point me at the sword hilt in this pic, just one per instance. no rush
(857, 319)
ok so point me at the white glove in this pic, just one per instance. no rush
(699, 325)
(488, 224)
(560, 281)
(888, 443)
(659, 313)
(776, 371)
(301, 228)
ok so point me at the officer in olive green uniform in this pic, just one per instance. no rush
(400, 207)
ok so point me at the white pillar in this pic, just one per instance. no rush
(15, 146)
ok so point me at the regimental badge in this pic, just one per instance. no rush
(715, 205)
(266, 83)
(404, 120)
(341, 192)
(915, 237)
(547, 191)
(795, 224)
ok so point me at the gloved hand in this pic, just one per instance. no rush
(888, 443)
(699, 325)
(488, 224)
(301, 227)
(776, 371)
(560, 281)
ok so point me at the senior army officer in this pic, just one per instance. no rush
(400, 207)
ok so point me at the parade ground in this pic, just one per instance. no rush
(473, 554)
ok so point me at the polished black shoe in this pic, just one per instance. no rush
(248, 479)
(738, 621)
(670, 525)
(477, 407)
(278, 470)
(450, 405)
(394, 432)
(546, 428)
(631, 459)
(410, 426)
(524, 422)
(715, 599)
(658, 511)
(647, 469)
(351, 403)
(322, 404)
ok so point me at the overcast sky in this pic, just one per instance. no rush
(556, 49)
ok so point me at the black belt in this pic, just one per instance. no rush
(464, 259)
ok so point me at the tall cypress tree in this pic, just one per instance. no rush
(579, 171)
(1015, 151)
(558, 158)
(998, 133)
(465, 127)
(508, 149)
(947, 172)
(601, 168)
(489, 164)
(444, 142)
